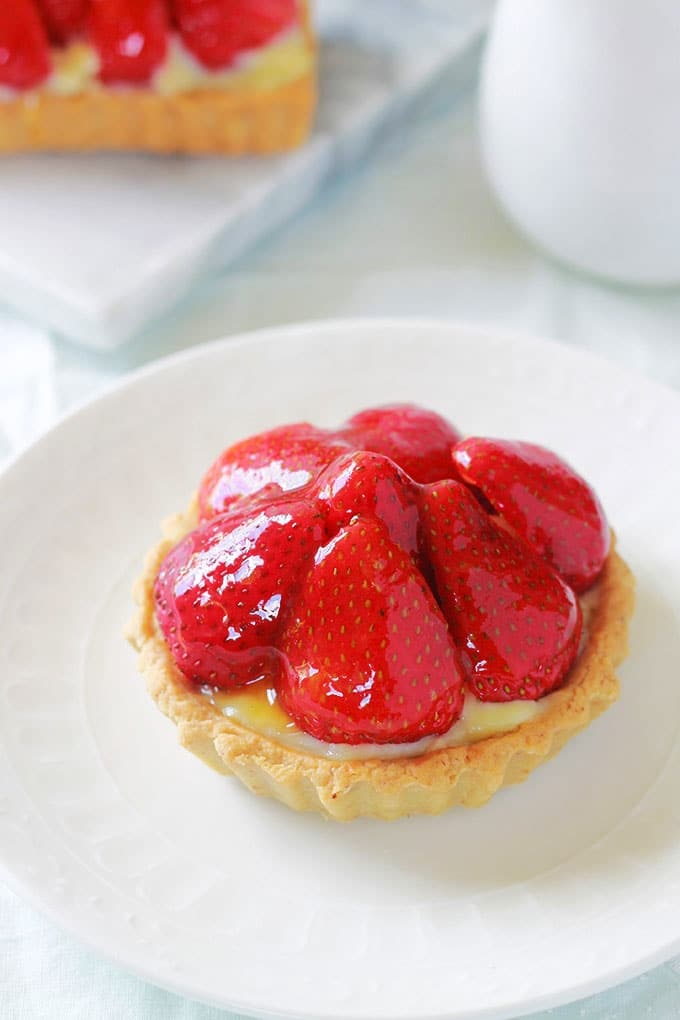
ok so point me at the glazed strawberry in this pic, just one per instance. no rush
(131, 37)
(24, 50)
(63, 18)
(370, 656)
(367, 485)
(419, 441)
(219, 592)
(217, 31)
(543, 500)
(288, 457)
(516, 623)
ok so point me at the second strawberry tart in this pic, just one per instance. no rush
(227, 76)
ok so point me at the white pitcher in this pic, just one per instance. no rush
(580, 131)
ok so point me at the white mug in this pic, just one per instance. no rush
(580, 131)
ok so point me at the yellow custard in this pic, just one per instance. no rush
(286, 58)
(257, 707)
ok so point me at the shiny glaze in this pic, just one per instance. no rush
(371, 657)
(417, 440)
(219, 592)
(285, 458)
(543, 500)
(222, 591)
(516, 623)
(366, 485)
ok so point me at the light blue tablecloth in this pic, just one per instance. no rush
(413, 232)
(45, 975)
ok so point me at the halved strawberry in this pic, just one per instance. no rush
(370, 656)
(368, 485)
(543, 500)
(24, 50)
(288, 457)
(515, 621)
(219, 592)
(419, 441)
(216, 31)
(131, 37)
(63, 18)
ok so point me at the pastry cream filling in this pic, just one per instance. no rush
(256, 707)
(287, 57)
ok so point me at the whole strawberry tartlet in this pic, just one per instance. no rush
(227, 76)
(385, 618)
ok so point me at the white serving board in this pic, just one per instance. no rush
(97, 246)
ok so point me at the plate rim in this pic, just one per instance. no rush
(306, 330)
(305, 327)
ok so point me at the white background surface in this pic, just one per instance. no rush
(413, 232)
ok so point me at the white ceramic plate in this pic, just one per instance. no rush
(557, 888)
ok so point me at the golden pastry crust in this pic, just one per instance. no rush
(194, 122)
(230, 122)
(385, 788)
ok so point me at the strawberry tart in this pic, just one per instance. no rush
(228, 76)
(385, 618)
